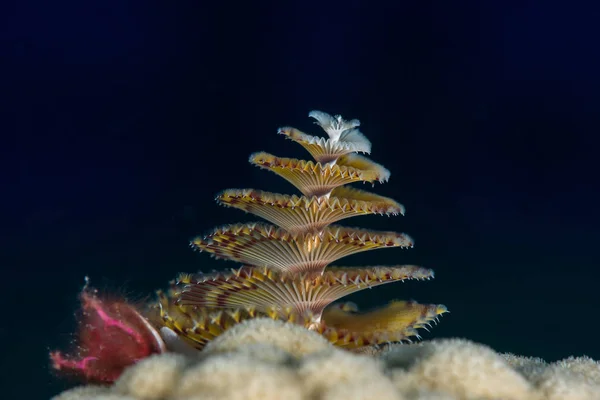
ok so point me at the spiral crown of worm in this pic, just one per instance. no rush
(283, 269)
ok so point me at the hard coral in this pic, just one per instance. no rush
(268, 361)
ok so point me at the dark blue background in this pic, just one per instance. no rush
(121, 120)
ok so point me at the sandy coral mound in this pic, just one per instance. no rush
(265, 359)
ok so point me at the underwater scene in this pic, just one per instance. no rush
(311, 200)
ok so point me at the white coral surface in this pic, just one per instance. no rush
(265, 359)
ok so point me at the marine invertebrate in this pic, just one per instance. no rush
(112, 335)
(285, 273)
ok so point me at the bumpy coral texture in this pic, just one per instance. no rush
(266, 359)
